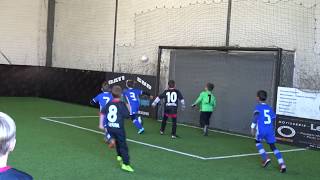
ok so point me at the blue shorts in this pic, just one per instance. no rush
(269, 137)
(134, 110)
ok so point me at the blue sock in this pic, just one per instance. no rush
(261, 151)
(137, 124)
(278, 155)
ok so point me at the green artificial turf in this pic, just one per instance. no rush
(53, 151)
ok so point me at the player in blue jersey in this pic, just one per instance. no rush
(262, 128)
(115, 112)
(132, 96)
(102, 99)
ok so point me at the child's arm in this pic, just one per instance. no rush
(199, 99)
(126, 110)
(103, 112)
(94, 100)
(214, 102)
(254, 123)
(157, 100)
(182, 101)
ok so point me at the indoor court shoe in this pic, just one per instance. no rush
(205, 131)
(283, 168)
(119, 158)
(127, 168)
(141, 131)
(174, 136)
(266, 162)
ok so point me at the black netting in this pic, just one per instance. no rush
(287, 69)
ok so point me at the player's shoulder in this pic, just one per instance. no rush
(16, 174)
(125, 91)
(262, 106)
(106, 93)
(137, 90)
(257, 108)
(176, 90)
(266, 106)
(165, 91)
(100, 94)
(203, 93)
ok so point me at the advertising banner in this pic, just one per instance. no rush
(298, 132)
(145, 83)
(296, 103)
(298, 121)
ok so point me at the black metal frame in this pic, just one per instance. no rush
(226, 49)
(115, 35)
(50, 31)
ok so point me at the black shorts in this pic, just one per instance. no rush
(205, 118)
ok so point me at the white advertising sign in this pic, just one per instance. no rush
(296, 103)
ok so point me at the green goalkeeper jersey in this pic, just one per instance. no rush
(207, 101)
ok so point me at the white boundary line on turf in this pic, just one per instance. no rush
(70, 117)
(130, 140)
(195, 127)
(162, 148)
(251, 154)
(217, 131)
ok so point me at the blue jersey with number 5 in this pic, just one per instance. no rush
(103, 99)
(133, 98)
(264, 117)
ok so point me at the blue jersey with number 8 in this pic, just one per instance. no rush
(264, 117)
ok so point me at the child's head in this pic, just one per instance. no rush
(105, 86)
(209, 86)
(7, 134)
(116, 91)
(171, 84)
(262, 95)
(130, 83)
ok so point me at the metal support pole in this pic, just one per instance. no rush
(228, 22)
(50, 31)
(115, 35)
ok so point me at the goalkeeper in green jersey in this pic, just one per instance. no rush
(207, 103)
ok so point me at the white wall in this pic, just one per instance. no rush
(83, 36)
(23, 27)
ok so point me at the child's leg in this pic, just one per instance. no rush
(174, 126)
(201, 119)
(109, 139)
(101, 121)
(123, 148)
(277, 153)
(136, 122)
(261, 151)
(206, 122)
(118, 148)
(163, 123)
